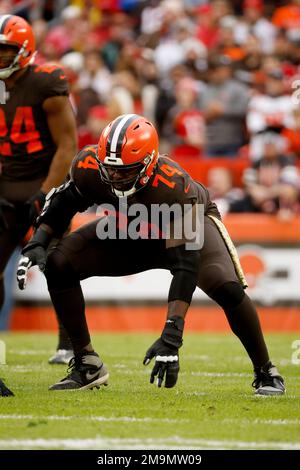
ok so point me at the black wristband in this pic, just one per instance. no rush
(173, 331)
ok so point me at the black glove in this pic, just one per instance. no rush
(4, 205)
(34, 253)
(165, 351)
(35, 204)
(31, 257)
(4, 391)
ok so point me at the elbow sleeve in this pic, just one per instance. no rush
(184, 265)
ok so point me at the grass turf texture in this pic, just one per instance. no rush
(212, 406)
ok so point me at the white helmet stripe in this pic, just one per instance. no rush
(3, 18)
(117, 132)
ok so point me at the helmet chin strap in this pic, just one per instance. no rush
(8, 71)
(133, 189)
(127, 193)
(141, 177)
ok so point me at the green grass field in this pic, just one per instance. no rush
(212, 406)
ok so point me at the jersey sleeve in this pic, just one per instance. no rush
(173, 185)
(61, 205)
(52, 81)
(84, 168)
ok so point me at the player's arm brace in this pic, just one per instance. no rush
(61, 205)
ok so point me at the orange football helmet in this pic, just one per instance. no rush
(127, 153)
(16, 32)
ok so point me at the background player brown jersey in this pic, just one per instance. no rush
(37, 134)
(27, 146)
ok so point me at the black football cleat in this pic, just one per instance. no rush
(268, 381)
(86, 372)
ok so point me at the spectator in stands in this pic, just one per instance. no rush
(288, 16)
(292, 134)
(147, 75)
(209, 16)
(184, 129)
(98, 118)
(247, 68)
(291, 59)
(271, 181)
(289, 193)
(224, 104)
(120, 31)
(254, 23)
(73, 63)
(269, 111)
(151, 20)
(166, 97)
(64, 36)
(95, 75)
(221, 190)
(125, 94)
(227, 44)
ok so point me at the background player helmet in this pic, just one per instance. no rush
(16, 32)
(127, 153)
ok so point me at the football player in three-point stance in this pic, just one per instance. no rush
(37, 138)
(126, 166)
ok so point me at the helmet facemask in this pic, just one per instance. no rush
(10, 63)
(9, 55)
(125, 180)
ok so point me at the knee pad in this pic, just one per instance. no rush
(59, 272)
(229, 295)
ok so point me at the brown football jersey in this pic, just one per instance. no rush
(169, 184)
(26, 145)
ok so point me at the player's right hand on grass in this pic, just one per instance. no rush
(32, 255)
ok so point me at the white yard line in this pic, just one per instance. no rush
(125, 419)
(129, 419)
(221, 374)
(174, 442)
(272, 422)
(31, 352)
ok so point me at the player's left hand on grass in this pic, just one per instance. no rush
(166, 365)
(32, 255)
(165, 351)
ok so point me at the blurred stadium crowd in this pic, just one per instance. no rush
(220, 79)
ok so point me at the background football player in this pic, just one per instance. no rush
(37, 141)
